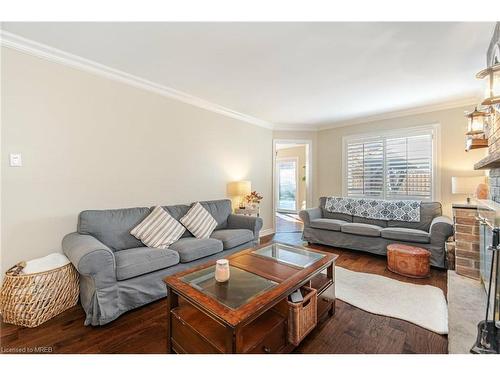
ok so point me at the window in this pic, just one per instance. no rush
(397, 165)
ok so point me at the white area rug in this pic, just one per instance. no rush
(422, 305)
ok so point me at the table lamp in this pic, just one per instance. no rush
(466, 185)
(238, 190)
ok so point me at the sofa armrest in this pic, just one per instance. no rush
(245, 222)
(310, 214)
(441, 228)
(90, 257)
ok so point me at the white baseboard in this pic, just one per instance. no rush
(266, 232)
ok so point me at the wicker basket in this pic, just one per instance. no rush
(30, 300)
(302, 316)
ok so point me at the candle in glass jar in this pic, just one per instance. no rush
(222, 270)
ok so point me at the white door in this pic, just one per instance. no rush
(286, 176)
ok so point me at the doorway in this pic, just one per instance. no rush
(292, 183)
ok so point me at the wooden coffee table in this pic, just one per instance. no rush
(249, 313)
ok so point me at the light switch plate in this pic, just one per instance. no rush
(16, 160)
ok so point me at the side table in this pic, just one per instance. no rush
(247, 211)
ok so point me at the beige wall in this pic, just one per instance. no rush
(454, 161)
(92, 143)
(299, 153)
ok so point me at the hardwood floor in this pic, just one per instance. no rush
(144, 330)
(288, 223)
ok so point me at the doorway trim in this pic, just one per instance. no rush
(309, 168)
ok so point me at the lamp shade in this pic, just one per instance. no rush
(239, 188)
(466, 185)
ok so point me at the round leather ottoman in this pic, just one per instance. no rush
(408, 261)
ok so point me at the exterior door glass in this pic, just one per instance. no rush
(287, 185)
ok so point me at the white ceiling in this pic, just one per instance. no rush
(288, 74)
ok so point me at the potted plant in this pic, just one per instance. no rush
(253, 199)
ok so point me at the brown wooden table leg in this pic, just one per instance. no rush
(172, 302)
(330, 273)
(331, 311)
(230, 340)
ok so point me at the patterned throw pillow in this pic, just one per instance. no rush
(199, 221)
(158, 229)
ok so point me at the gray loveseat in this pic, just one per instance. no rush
(358, 233)
(118, 273)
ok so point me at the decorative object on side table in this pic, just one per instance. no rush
(252, 205)
(253, 199)
(466, 185)
(482, 191)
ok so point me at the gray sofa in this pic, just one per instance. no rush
(358, 233)
(118, 273)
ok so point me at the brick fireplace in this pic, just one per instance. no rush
(466, 241)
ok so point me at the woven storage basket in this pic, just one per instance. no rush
(30, 300)
(302, 316)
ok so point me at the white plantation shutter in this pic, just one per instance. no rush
(365, 168)
(390, 167)
(409, 167)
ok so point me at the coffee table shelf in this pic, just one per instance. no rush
(213, 334)
(321, 282)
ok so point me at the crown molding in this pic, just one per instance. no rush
(40, 50)
(46, 52)
(463, 102)
(300, 128)
(469, 101)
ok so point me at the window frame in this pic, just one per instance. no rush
(432, 129)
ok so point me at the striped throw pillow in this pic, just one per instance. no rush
(158, 229)
(199, 221)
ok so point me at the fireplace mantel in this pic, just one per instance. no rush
(492, 161)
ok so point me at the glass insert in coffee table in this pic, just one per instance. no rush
(289, 254)
(241, 287)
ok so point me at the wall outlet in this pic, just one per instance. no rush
(16, 160)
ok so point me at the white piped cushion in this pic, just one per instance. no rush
(158, 229)
(199, 221)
